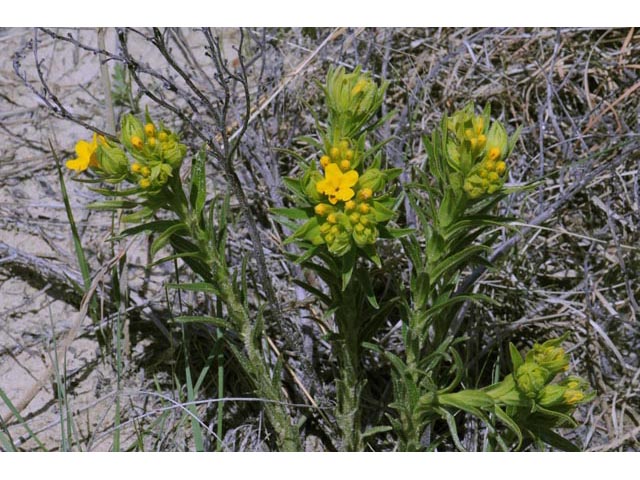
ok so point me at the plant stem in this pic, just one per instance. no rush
(350, 385)
(252, 360)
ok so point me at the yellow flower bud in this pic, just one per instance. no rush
(490, 165)
(324, 161)
(145, 171)
(359, 87)
(321, 209)
(573, 384)
(151, 141)
(324, 228)
(493, 177)
(334, 153)
(335, 230)
(494, 153)
(501, 167)
(149, 130)
(345, 165)
(364, 221)
(479, 125)
(350, 205)
(331, 218)
(359, 228)
(349, 155)
(354, 217)
(474, 142)
(136, 142)
(329, 237)
(531, 378)
(162, 136)
(571, 397)
(365, 194)
(144, 182)
(482, 139)
(136, 167)
(344, 145)
(364, 208)
(469, 134)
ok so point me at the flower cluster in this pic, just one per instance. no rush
(347, 199)
(535, 375)
(156, 153)
(478, 151)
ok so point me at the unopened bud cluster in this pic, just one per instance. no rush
(543, 363)
(478, 151)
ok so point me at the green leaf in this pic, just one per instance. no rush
(198, 190)
(165, 236)
(375, 430)
(551, 438)
(310, 252)
(155, 226)
(453, 429)
(110, 205)
(292, 213)
(510, 423)
(203, 287)
(314, 291)
(293, 184)
(139, 215)
(348, 263)
(182, 245)
(107, 192)
(389, 232)
(364, 280)
(371, 254)
(382, 213)
(174, 257)
(6, 443)
(462, 297)
(516, 357)
(218, 322)
(455, 260)
(307, 229)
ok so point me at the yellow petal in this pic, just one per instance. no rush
(345, 194)
(349, 179)
(76, 164)
(83, 149)
(333, 173)
(322, 186)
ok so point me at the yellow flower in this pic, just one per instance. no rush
(86, 152)
(149, 130)
(144, 182)
(337, 185)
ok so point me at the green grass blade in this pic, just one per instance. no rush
(16, 413)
